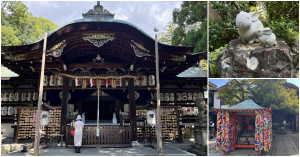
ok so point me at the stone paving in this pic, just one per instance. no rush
(169, 149)
(283, 145)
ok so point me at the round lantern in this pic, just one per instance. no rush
(196, 111)
(10, 110)
(29, 96)
(4, 111)
(52, 80)
(119, 82)
(35, 96)
(45, 118)
(151, 118)
(93, 82)
(183, 96)
(167, 97)
(137, 82)
(46, 80)
(78, 82)
(17, 96)
(184, 111)
(162, 97)
(15, 110)
(6, 96)
(59, 80)
(195, 96)
(189, 111)
(151, 80)
(143, 79)
(178, 96)
(103, 82)
(24, 96)
(189, 96)
(11, 96)
(172, 97)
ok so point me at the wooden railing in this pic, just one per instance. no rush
(110, 136)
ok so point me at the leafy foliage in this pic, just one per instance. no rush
(20, 26)
(268, 93)
(213, 57)
(166, 36)
(191, 24)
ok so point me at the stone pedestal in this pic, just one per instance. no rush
(256, 61)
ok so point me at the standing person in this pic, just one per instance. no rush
(78, 133)
(212, 129)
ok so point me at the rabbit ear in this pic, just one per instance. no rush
(254, 16)
(267, 31)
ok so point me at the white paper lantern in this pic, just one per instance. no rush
(143, 80)
(196, 111)
(151, 80)
(151, 118)
(189, 96)
(118, 82)
(78, 82)
(162, 97)
(189, 111)
(46, 80)
(184, 111)
(172, 97)
(178, 97)
(45, 118)
(4, 111)
(10, 111)
(59, 80)
(183, 96)
(17, 96)
(167, 97)
(195, 96)
(137, 82)
(35, 96)
(24, 96)
(29, 96)
(52, 80)
(93, 82)
(11, 96)
(15, 111)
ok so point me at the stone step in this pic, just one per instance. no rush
(6, 148)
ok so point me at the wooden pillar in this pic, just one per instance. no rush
(64, 106)
(234, 131)
(132, 109)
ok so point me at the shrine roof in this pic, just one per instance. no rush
(246, 105)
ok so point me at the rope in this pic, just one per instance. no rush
(97, 77)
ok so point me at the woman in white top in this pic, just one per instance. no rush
(78, 133)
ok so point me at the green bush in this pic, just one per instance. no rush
(286, 30)
(213, 57)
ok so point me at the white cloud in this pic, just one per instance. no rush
(144, 14)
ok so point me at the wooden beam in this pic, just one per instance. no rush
(132, 109)
(37, 125)
(64, 106)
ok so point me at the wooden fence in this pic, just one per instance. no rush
(110, 136)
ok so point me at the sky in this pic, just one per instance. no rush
(144, 14)
(221, 82)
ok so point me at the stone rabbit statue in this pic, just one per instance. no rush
(248, 24)
(266, 37)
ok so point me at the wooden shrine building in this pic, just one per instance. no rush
(115, 56)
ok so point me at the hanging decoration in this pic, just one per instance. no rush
(224, 132)
(97, 77)
(263, 131)
(139, 49)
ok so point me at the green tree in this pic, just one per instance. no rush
(166, 36)
(20, 27)
(191, 24)
(268, 93)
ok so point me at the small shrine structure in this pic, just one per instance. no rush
(235, 127)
